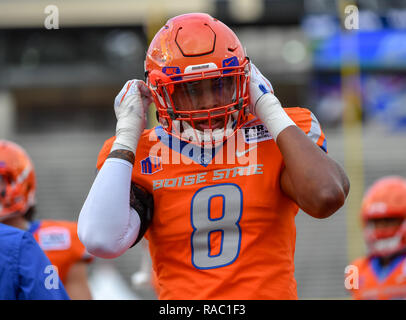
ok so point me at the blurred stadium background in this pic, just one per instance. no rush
(57, 88)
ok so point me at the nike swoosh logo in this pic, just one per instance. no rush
(240, 154)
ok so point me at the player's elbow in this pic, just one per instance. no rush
(108, 239)
(327, 201)
(101, 247)
(99, 244)
(106, 252)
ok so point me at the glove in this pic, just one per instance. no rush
(130, 106)
(265, 106)
(259, 85)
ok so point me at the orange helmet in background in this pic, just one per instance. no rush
(386, 198)
(17, 180)
(198, 73)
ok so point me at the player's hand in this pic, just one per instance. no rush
(259, 86)
(130, 107)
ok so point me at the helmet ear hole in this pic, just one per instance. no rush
(157, 77)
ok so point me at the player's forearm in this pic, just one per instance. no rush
(316, 182)
(107, 224)
(313, 180)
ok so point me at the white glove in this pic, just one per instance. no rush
(259, 85)
(264, 104)
(130, 107)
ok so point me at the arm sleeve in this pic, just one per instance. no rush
(107, 224)
(37, 278)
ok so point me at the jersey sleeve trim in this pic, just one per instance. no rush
(316, 134)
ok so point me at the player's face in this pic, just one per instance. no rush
(203, 95)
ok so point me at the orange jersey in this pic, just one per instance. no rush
(221, 229)
(378, 283)
(59, 241)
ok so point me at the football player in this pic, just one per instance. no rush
(58, 239)
(216, 229)
(382, 273)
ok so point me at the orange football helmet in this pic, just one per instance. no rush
(198, 73)
(17, 180)
(386, 198)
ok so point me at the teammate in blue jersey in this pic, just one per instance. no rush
(25, 271)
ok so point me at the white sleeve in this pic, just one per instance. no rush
(107, 225)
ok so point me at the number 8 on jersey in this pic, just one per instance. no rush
(227, 224)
